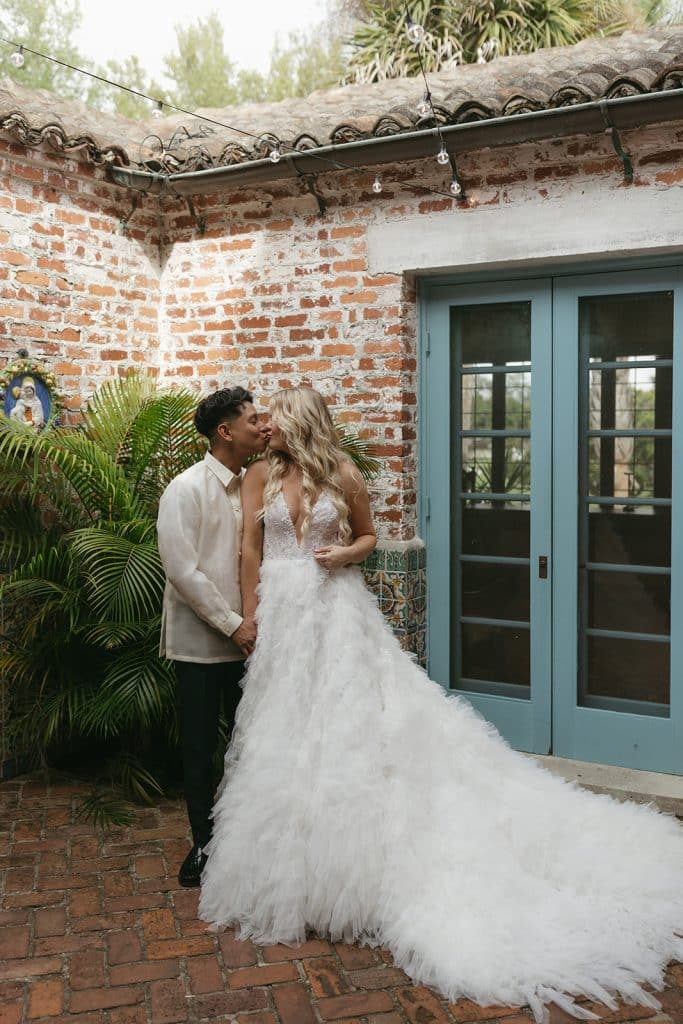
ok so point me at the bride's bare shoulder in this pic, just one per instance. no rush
(256, 474)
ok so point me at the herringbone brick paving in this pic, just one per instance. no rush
(95, 930)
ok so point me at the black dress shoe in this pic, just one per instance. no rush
(190, 874)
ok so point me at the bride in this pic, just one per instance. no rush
(361, 802)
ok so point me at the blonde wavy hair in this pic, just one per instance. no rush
(313, 442)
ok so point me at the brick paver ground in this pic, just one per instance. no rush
(95, 930)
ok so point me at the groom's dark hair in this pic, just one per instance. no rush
(225, 404)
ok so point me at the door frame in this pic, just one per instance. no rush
(526, 723)
(632, 740)
(434, 496)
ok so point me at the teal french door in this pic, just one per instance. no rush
(552, 471)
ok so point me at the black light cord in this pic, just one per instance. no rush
(455, 178)
(337, 164)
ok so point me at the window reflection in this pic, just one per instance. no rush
(491, 403)
(626, 347)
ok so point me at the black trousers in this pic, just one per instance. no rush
(202, 691)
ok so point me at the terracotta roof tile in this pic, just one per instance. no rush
(630, 64)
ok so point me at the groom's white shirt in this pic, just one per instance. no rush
(200, 534)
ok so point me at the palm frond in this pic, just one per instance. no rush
(360, 451)
(112, 411)
(135, 779)
(104, 810)
(124, 577)
(136, 692)
(112, 635)
(164, 442)
(22, 528)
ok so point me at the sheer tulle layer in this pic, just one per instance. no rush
(360, 801)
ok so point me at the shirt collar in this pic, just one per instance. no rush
(225, 475)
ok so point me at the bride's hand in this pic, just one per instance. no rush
(333, 557)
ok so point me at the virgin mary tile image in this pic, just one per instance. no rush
(28, 401)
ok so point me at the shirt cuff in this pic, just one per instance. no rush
(234, 622)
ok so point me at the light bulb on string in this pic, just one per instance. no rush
(377, 184)
(158, 110)
(415, 32)
(455, 188)
(275, 155)
(442, 156)
(424, 107)
(17, 58)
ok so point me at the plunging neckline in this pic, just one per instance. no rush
(290, 517)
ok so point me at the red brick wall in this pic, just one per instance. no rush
(272, 294)
(275, 295)
(73, 289)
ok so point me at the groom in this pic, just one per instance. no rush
(202, 630)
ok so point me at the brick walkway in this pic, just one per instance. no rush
(94, 930)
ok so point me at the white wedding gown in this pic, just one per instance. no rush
(361, 802)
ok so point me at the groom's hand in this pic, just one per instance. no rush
(245, 636)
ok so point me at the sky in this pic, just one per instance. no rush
(146, 27)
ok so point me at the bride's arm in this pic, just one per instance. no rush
(252, 535)
(360, 520)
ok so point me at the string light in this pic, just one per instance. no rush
(414, 31)
(275, 155)
(424, 107)
(17, 59)
(377, 184)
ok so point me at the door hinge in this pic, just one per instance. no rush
(428, 349)
(543, 567)
(428, 508)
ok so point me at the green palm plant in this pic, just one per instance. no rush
(83, 584)
(463, 31)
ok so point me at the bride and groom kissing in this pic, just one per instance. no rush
(359, 799)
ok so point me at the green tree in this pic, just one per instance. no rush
(202, 73)
(131, 73)
(309, 60)
(48, 26)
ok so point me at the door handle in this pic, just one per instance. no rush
(543, 567)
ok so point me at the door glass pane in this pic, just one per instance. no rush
(503, 530)
(493, 334)
(497, 465)
(625, 412)
(628, 327)
(639, 537)
(477, 401)
(495, 591)
(491, 451)
(622, 673)
(497, 654)
(628, 601)
(629, 467)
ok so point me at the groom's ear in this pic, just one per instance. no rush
(224, 430)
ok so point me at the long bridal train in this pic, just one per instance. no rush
(361, 802)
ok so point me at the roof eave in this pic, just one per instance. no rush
(581, 119)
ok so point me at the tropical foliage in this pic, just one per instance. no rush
(464, 31)
(83, 593)
(83, 587)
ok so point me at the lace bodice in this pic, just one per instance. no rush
(280, 539)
